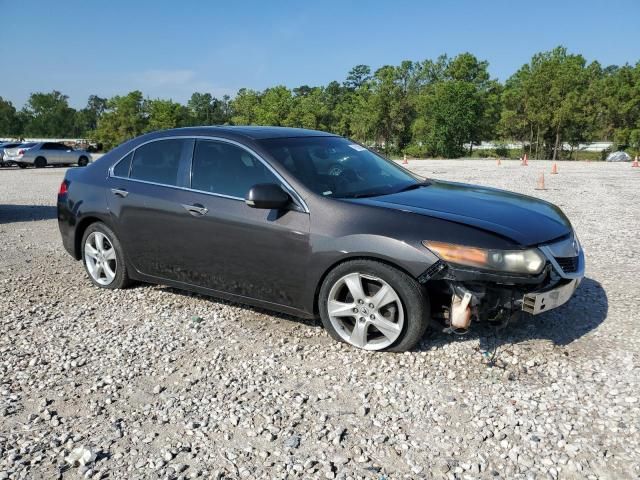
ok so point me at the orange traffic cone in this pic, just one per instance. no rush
(498, 162)
(405, 161)
(635, 163)
(540, 185)
(554, 169)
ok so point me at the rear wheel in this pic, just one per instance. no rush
(83, 161)
(103, 257)
(40, 162)
(373, 306)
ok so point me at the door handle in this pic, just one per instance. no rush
(196, 210)
(119, 192)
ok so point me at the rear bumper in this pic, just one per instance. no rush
(66, 224)
(8, 159)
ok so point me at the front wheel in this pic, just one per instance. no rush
(373, 306)
(103, 257)
(83, 161)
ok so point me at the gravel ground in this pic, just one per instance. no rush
(151, 382)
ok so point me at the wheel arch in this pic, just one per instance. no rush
(370, 257)
(81, 227)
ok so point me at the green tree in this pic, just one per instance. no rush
(86, 119)
(205, 109)
(244, 107)
(616, 95)
(163, 114)
(124, 118)
(274, 106)
(48, 115)
(10, 124)
(357, 77)
(449, 117)
(309, 109)
(549, 96)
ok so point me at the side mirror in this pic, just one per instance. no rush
(268, 196)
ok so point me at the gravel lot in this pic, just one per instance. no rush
(151, 382)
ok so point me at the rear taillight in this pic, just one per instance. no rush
(63, 188)
(20, 152)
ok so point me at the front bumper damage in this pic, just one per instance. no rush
(461, 295)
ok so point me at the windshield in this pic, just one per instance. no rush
(336, 167)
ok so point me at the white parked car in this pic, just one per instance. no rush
(42, 154)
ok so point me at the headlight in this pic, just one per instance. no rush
(514, 261)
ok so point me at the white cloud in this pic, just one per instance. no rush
(176, 84)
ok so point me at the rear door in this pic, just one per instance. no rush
(50, 152)
(231, 247)
(145, 198)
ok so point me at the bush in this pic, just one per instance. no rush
(502, 151)
(417, 151)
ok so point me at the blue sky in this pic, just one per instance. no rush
(171, 49)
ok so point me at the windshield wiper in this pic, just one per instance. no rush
(413, 186)
(364, 195)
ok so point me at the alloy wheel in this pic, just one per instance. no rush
(100, 258)
(365, 311)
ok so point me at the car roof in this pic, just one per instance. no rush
(255, 132)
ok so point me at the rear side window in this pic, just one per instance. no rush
(226, 169)
(159, 161)
(122, 167)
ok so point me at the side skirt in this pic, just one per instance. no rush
(296, 312)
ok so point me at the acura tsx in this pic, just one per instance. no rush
(313, 224)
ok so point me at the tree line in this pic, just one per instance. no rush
(438, 107)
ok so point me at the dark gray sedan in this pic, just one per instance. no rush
(313, 224)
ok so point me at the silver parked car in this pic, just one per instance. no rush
(3, 146)
(45, 153)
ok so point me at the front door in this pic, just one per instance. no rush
(256, 253)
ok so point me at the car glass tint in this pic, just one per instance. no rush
(158, 161)
(122, 167)
(337, 167)
(226, 169)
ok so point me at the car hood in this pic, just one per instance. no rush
(525, 220)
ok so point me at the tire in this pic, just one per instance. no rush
(101, 277)
(40, 162)
(404, 318)
(83, 161)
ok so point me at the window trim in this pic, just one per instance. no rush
(294, 194)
